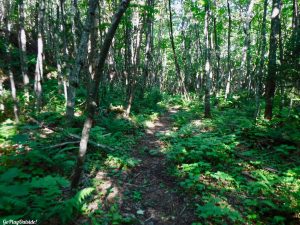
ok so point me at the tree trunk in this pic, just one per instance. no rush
(9, 61)
(58, 57)
(65, 69)
(128, 64)
(75, 25)
(272, 66)
(246, 57)
(2, 107)
(93, 93)
(148, 53)
(136, 61)
(217, 52)
(229, 76)
(296, 28)
(280, 75)
(38, 75)
(177, 67)
(80, 60)
(23, 52)
(262, 60)
(208, 71)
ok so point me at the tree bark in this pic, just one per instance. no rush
(75, 25)
(229, 76)
(136, 48)
(217, 53)
(296, 28)
(262, 60)
(177, 67)
(128, 64)
(246, 57)
(208, 71)
(23, 52)
(148, 51)
(2, 78)
(65, 69)
(57, 40)
(9, 61)
(80, 60)
(280, 74)
(272, 66)
(93, 93)
(38, 75)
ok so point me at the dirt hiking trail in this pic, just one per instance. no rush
(158, 203)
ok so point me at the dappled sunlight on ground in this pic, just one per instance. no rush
(146, 191)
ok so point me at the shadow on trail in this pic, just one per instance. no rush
(147, 192)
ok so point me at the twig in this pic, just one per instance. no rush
(182, 210)
(74, 136)
(148, 219)
(105, 147)
(249, 175)
(63, 144)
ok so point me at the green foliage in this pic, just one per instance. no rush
(219, 211)
(31, 196)
(7, 129)
(111, 216)
(234, 167)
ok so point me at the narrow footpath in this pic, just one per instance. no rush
(155, 200)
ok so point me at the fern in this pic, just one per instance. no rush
(66, 209)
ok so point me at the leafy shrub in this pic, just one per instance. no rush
(25, 196)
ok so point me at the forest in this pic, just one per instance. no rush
(169, 112)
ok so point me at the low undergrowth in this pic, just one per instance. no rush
(38, 156)
(237, 170)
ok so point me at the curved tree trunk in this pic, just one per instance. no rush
(94, 91)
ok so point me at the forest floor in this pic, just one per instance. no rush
(147, 192)
(166, 164)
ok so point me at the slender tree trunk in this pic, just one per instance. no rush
(280, 74)
(57, 47)
(93, 93)
(246, 60)
(9, 69)
(63, 36)
(128, 64)
(75, 25)
(148, 53)
(296, 28)
(2, 107)
(23, 52)
(177, 67)
(80, 60)
(272, 66)
(217, 52)
(262, 60)
(38, 75)
(136, 61)
(208, 70)
(229, 75)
